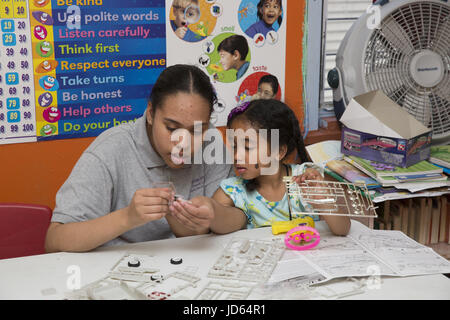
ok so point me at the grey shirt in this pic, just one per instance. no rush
(120, 161)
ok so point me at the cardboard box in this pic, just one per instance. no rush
(378, 129)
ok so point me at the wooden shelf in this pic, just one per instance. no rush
(332, 132)
(414, 218)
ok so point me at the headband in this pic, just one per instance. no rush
(238, 110)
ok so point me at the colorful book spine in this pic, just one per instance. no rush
(423, 167)
(445, 170)
(440, 155)
(352, 174)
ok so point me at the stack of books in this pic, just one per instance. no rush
(420, 193)
(345, 172)
(440, 156)
(391, 176)
(385, 182)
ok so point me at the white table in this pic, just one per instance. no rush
(29, 277)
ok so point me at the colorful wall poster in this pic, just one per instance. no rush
(240, 44)
(78, 67)
(72, 69)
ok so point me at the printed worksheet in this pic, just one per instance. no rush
(385, 239)
(337, 257)
(295, 266)
(404, 255)
(362, 253)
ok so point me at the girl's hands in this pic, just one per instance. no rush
(195, 214)
(148, 205)
(314, 192)
(309, 174)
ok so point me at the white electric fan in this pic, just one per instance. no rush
(407, 57)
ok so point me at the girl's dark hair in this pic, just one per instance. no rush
(272, 80)
(233, 43)
(274, 114)
(182, 78)
(261, 5)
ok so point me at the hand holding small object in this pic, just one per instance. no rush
(196, 214)
(309, 174)
(312, 189)
(148, 204)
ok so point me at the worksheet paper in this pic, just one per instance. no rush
(361, 253)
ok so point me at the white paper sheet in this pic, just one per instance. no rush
(362, 253)
(293, 266)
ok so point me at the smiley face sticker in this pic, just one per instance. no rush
(48, 130)
(49, 83)
(52, 114)
(47, 66)
(44, 49)
(40, 32)
(41, 3)
(43, 17)
(45, 99)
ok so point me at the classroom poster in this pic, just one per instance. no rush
(238, 21)
(74, 68)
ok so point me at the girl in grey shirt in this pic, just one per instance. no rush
(111, 197)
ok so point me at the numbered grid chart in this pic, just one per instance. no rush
(17, 110)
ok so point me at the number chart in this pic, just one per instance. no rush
(17, 108)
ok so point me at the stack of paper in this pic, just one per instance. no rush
(322, 152)
(386, 182)
(359, 254)
(351, 174)
(423, 172)
(440, 156)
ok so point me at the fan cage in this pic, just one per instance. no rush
(406, 31)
